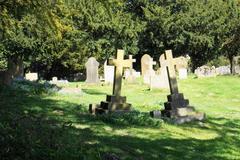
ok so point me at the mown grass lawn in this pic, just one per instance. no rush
(59, 126)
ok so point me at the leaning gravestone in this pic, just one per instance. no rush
(108, 73)
(177, 107)
(114, 102)
(31, 76)
(92, 70)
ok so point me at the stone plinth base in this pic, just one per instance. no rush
(112, 104)
(177, 108)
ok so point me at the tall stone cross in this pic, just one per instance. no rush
(151, 63)
(119, 64)
(132, 61)
(170, 63)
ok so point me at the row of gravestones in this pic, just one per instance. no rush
(177, 107)
(92, 66)
(156, 79)
(206, 71)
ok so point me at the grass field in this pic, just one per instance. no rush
(59, 127)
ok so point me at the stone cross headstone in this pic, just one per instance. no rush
(130, 72)
(31, 76)
(119, 64)
(170, 63)
(108, 73)
(177, 107)
(92, 70)
(115, 102)
(132, 61)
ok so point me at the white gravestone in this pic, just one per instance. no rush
(31, 76)
(108, 73)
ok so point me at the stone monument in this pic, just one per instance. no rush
(177, 107)
(147, 64)
(108, 73)
(114, 102)
(129, 73)
(236, 65)
(147, 68)
(92, 70)
(205, 71)
(31, 76)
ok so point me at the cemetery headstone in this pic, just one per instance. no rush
(31, 76)
(182, 73)
(223, 70)
(147, 68)
(177, 107)
(92, 70)
(205, 71)
(147, 64)
(115, 102)
(129, 73)
(181, 62)
(236, 65)
(54, 79)
(108, 73)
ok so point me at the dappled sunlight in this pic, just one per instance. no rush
(62, 124)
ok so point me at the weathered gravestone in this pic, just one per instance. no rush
(160, 80)
(147, 64)
(177, 107)
(129, 73)
(147, 68)
(181, 64)
(182, 73)
(108, 73)
(31, 76)
(54, 79)
(114, 102)
(205, 71)
(92, 70)
(236, 65)
(223, 70)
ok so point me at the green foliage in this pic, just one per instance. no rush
(134, 118)
(56, 38)
(59, 126)
(220, 61)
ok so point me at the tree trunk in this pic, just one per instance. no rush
(15, 70)
(230, 58)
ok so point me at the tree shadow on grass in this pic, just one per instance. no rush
(33, 127)
(93, 92)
